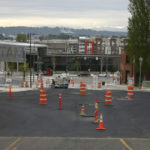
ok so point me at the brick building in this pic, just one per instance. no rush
(126, 69)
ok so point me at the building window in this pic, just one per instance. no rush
(127, 60)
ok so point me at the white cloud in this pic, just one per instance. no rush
(64, 22)
(69, 13)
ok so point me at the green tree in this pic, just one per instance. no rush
(12, 66)
(42, 38)
(77, 65)
(1, 37)
(59, 36)
(24, 68)
(139, 33)
(21, 38)
(53, 61)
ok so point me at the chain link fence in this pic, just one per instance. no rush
(15, 79)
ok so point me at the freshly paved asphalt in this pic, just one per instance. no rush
(25, 124)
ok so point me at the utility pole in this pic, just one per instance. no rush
(140, 60)
(107, 61)
(134, 69)
(30, 63)
(66, 49)
(33, 62)
(101, 67)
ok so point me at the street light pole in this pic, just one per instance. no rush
(140, 60)
(107, 61)
(133, 68)
(101, 67)
(33, 62)
(30, 63)
(66, 49)
(96, 59)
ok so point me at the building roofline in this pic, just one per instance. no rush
(21, 44)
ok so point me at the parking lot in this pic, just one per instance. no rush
(25, 124)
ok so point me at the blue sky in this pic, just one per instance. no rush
(95, 14)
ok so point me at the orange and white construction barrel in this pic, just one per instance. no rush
(43, 97)
(108, 97)
(130, 92)
(83, 89)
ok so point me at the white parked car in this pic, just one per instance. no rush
(60, 82)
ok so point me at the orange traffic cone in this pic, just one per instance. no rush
(101, 123)
(27, 85)
(82, 110)
(72, 82)
(99, 84)
(43, 97)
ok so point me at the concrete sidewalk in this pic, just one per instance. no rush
(77, 86)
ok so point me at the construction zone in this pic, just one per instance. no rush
(88, 114)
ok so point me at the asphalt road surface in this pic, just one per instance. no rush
(25, 124)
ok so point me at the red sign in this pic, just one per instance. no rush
(87, 49)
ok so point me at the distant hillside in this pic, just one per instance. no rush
(57, 30)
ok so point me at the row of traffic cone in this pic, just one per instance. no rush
(43, 98)
(25, 84)
(108, 101)
(108, 95)
(101, 127)
(39, 82)
(99, 85)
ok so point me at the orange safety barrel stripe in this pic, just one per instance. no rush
(43, 97)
